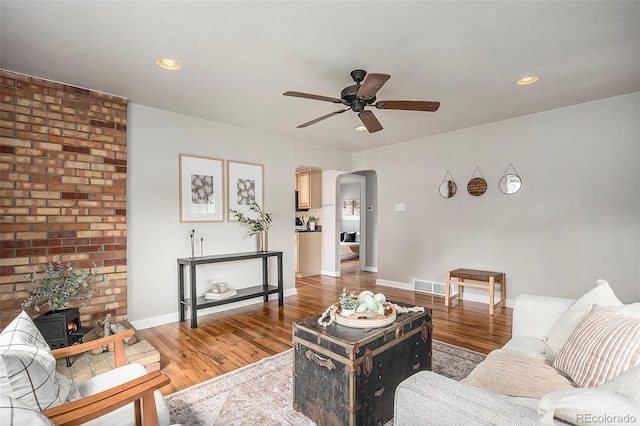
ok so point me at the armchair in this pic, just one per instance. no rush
(127, 395)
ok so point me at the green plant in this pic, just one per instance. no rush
(347, 301)
(262, 223)
(61, 285)
(313, 219)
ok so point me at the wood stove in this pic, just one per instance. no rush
(61, 328)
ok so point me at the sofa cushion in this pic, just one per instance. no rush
(562, 329)
(604, 345)
(588, 406)
(123, 416)
(531, 346)
(28, 368)
(626, 384)
(427, 398)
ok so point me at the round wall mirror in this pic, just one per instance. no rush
(477, 186)
(510, 184)
(448, 188)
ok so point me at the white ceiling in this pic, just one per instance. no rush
(239, 57)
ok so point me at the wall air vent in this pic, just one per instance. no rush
(431, 287)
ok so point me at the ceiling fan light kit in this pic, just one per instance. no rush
(362, 94)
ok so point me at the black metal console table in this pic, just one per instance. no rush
(263, 290)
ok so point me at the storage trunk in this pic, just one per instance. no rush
(348, 376)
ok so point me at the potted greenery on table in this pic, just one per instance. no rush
(347, 303)
(259, 225)
(61, 284)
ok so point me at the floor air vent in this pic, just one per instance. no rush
(431, 287)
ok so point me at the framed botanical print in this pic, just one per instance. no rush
(201, 189)
(245, 186)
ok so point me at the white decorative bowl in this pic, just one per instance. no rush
(367, 319)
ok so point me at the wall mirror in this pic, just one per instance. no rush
(477, 185)
(448, 186)
(510, 183)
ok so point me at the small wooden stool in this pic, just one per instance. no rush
(488, 277)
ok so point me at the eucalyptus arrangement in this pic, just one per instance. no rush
(61, 284)
(260, 224)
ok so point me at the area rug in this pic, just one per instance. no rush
(260, 394)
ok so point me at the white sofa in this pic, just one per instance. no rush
(427, 398)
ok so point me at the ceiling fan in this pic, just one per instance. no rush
(358, 96)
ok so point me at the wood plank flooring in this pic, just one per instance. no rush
(232, 339)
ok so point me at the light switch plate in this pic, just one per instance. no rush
(399, 207)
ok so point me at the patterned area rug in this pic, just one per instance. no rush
(260, 394)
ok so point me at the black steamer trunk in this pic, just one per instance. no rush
(348, 376)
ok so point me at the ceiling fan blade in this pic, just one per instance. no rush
(370, 121)
(309, 123)
(371, 84)
(312, 96)
(409, 105)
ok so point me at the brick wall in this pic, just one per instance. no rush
(63, 188)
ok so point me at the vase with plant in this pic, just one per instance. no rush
(60, 285)
(347, 302)
(259, 225)
(312, 223)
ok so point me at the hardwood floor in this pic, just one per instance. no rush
(232, 339)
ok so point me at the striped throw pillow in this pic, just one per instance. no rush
(604, 345)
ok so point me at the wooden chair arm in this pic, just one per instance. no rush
(119, 354)
(99, 404)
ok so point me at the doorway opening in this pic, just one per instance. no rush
(356, 230)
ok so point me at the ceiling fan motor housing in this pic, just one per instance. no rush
(349, 96)
(358, 75)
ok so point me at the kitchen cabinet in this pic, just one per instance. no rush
(309, 187)
(308, 253)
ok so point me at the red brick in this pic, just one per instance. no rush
(31, 252)
(61, 250)
(67, 163)
(48, 242)
(74, 196)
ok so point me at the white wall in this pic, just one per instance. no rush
(349, 191)
(156, 238)
(576, 218)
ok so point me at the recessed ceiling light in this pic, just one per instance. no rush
(527, 80)
(168, 64)
(361, 128)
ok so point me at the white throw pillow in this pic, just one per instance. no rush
(562, 329)
(626, 384)
(588, 406)
(14, 412)
(28, 368)
(604, 345)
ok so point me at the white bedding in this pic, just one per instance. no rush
(349, 250)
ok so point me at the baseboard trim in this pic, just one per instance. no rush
(371, 268)
(330, 273)
(156, 321)
(394, 284)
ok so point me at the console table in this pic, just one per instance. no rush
(196, 303)
(487, 279)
